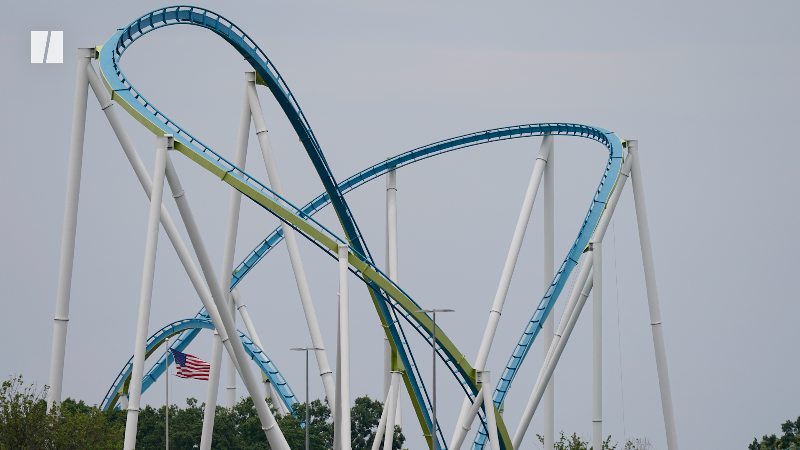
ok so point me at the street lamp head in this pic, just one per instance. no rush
(434, 310)
(305, 349)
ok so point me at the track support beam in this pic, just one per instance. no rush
(342, 423)
(291, 242)
(392, 269)
(70, 227)
(510, 264)
(148, 273)
(549, 264)
(652, 297)
(234, 346)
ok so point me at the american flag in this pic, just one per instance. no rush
(190, 366)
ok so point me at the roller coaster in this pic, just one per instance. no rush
(395, 308)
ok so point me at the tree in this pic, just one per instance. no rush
(26, 424)
(365, 416)
(575, 443)
(789, 441)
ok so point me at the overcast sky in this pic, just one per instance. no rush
(710, 90)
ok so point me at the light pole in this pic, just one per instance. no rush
(433, 312)
(306, 349)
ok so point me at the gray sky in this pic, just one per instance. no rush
(708, 88)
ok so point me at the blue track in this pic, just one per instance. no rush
(389, 310)
(188, 330)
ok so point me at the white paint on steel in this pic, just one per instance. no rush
(392, 266)
(548, 329)
(343, 363)
(652, 297)
(510, 264)
(379, 433)
(147, 185)
(461, 431)
(70, 226)
(391, 405)
(291, 245)
(234, 346)
(212, 390)
(148, 272)
(597, 346)
(240, 160)
(488, 407)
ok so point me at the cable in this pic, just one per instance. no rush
(619, 331)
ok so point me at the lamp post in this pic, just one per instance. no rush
(433, 312)
(306, 349)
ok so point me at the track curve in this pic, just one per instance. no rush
(390, 300)
(190, 328)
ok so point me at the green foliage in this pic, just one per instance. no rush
(638, 444)
(26, 424)
(365, 416)
(789, 441)
(574, 442)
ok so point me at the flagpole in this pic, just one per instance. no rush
(166, 405)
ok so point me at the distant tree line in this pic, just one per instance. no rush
(575, 442)
(26, 424)
(789, 441)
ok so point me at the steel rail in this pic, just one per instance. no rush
(191, 327)
(380, 287)
(135, 104)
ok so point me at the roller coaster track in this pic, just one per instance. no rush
(390, 300)
(188, 330)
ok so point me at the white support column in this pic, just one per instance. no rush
(70, 227)
(583, 285)
(380, 433)
(251, 330)
(140, 347)
(387, 347)
(291, 244)
(652, 297)
(212, 390)
(597, 346)
(387, 364)
(548, 329)
(234, 346)
(147, 185)
(461, 431)
(209, 301)
(230, 390)
(337, 412)
(388, 437)
(392, 268)
(240, 160)
(488, 407)
(343, 431)
(248, 323)
(510, 264)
